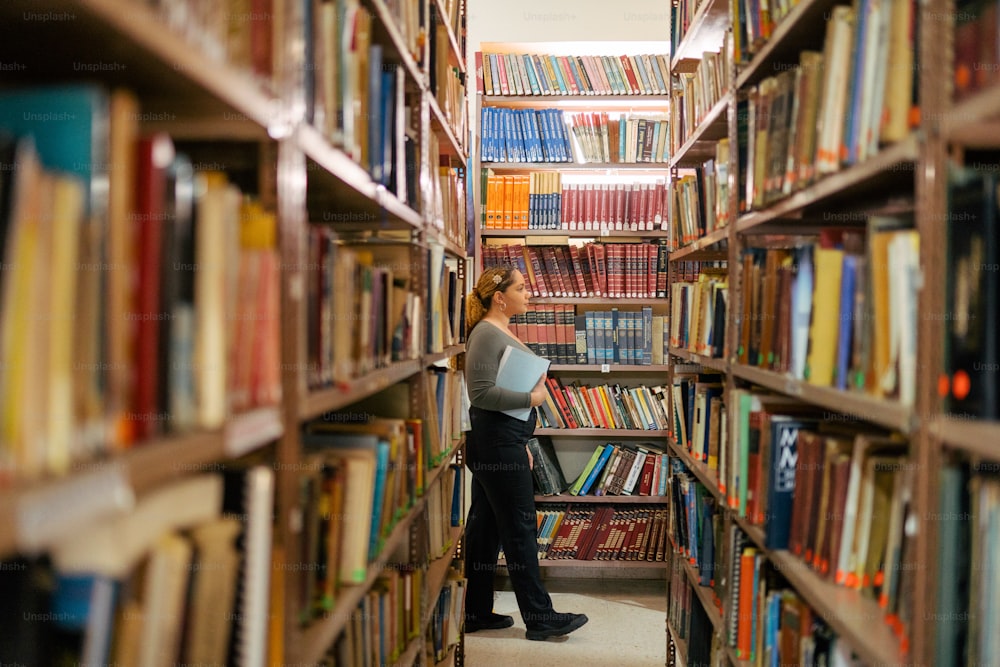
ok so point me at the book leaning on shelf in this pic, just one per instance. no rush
(547, 473)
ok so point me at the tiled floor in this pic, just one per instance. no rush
(627, 627)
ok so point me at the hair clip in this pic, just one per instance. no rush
(497, 279)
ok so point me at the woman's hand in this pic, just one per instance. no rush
(531, 459)
(538, 393)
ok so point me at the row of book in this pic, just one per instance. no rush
(546, 74)
(362, 311)
(695, 527)
(630, 138)
(832, 110)
(697, 93)
(140, 295)
(355, 96)
(184, 577)
(840, 313)
(385, 621)
(446, 204)
(615, 270)
(361, 474)
(445, 630)
(448, 83)
(615, 469)
(237, 32)
(770, 621)
(969, 383)
(688, 620)
(698, 313)
(977, 60)
(555, 136)
(540, 200)
(584, 532)
(833, 495)
(604, 406)
(700, 200)
(967, 590)
(558, 333)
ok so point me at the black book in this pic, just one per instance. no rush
(549, 478)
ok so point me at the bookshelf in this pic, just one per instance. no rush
(947, 449)
(558, 237)
(256, 111)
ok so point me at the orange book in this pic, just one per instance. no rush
(745, 611)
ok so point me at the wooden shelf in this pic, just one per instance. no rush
(700, 144)
(313, 642)
(853, 406)
(704, 593)
(609, 368)
(599, 300)
(710, 21)
(612, 564)
(709, 478)
(681, 645)
(603, 500)
(575, 233)
(977, 437)
(699, 247)
(802, 28)
(180, 86)
(325, 400)
(450, 245)
(437, 573)
(600, 432)
(395, 43)
(857, 619)
(410, 653)
(892, 168)
(973, 122)
(589, 102)
(458, 59)
(37, 514)
(365, 204)
(713, 363)
(448, 353)
(516, 167)
(452, 145)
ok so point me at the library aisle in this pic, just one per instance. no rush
(625, 627)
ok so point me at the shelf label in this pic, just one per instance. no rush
(605, 231)
(55, 512)
(605, 368)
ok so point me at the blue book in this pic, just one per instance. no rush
(802, 290)
(848, 278)
(529, 68)
(780, 491)
(596, 470)
(456, 497)
(374, 137)
(520, 370)
(381, 471)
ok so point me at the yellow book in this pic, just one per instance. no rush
(824, 327)
(67, 218)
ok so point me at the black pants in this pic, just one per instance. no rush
(502, 512)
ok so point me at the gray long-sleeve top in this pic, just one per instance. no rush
(483, 349)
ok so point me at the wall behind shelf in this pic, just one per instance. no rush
(583, 21)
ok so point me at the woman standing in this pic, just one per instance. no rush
(502, 510)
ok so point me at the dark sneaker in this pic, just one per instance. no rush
(557, 626)
(491, 622)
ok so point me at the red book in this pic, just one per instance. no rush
(646, 479)
(557, 395)
(155, 153)
(632, 80)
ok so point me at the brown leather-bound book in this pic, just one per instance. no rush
(809, 443)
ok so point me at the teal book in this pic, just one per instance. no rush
(520, 370)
